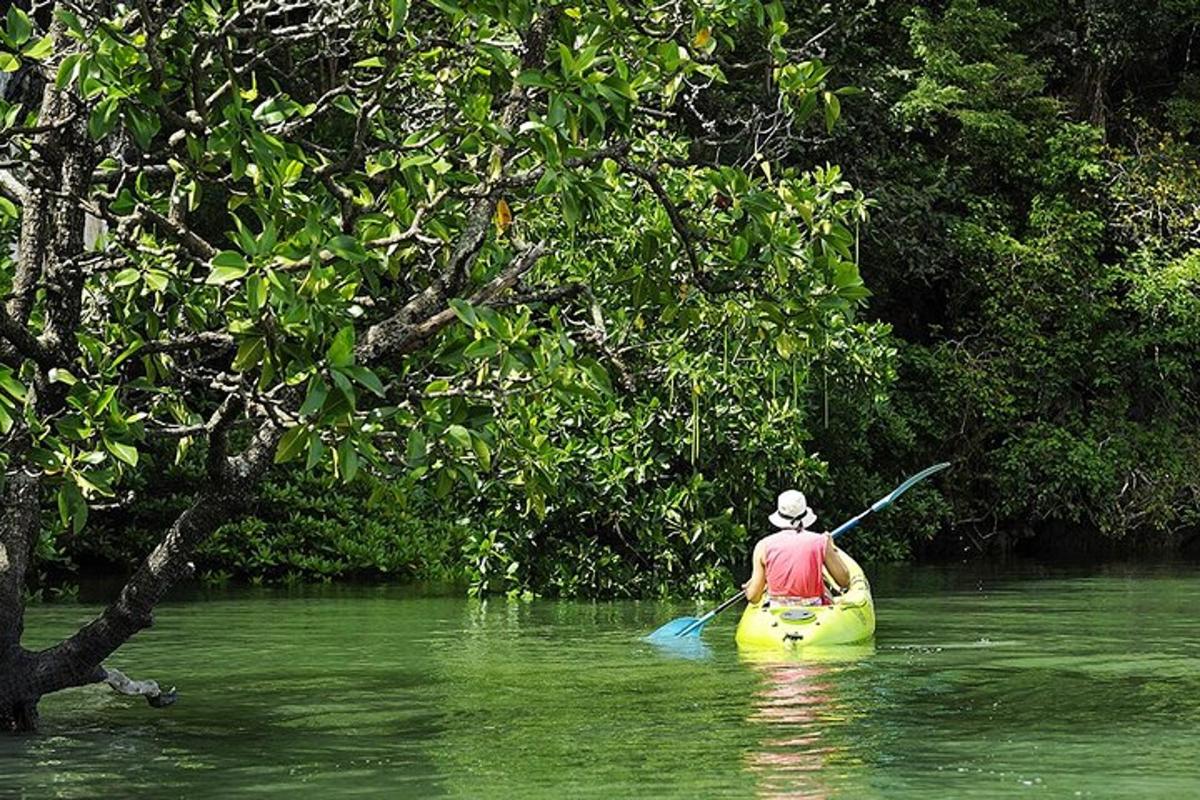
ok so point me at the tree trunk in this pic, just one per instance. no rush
(78, 660)
(19, 523)
(18, 699)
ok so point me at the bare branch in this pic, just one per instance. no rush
(396, 335)
(190, 241)
(199, 341)
(25, 342)
(677, 221)
(123, 684)
(12, 188)
(218, 435)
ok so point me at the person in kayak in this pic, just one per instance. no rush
(787, 563)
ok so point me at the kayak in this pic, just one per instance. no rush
(850, 620)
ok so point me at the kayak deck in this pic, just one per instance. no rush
(851, 619)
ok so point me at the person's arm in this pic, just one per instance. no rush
(838, 569)
(758, 577)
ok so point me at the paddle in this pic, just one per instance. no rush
(692, 626)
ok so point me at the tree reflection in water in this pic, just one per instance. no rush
(801, 704)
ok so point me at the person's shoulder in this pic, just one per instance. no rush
(765, 540)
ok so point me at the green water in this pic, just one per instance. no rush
(1039, 681)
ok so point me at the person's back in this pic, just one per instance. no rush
(793, 561)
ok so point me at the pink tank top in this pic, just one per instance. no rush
(794, 560)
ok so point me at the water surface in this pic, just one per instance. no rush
(1054, 682)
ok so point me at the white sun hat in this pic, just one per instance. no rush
(792, 511)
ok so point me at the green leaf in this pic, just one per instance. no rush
(19, 26)
(482, 348)
(460, 436)
(72, 508)
(482, 452)
(68, 70)
(228, 266)
(445, 482)
(59, 375)
(348, 460)
(341, 350)
(144, 126)
(123, 452)
(833, 109)
(77, 507)
(125, 354)
(417, 448)
(854, 292)
(9, 62)
(249, 353)
(313, 402)
(343, 384)
(532, 77)
(464, 311)
(157, 280)
(347, 247)
(103, 399)
(72, 22)
(11, 385)
(40, 49)
(845, 273)
(368, 379)
(447, 6)
(291, 444)
(64, 505)
(126, 277)
(397, 17)
(316, 450)
(103, 118)
(599, 376)
(740, 248)
(256, 293)
(418, 160)
(6, 421)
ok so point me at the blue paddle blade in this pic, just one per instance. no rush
(675, 627)
(690, 648)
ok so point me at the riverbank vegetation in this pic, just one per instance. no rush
(553, 298)
(450, 247)
(1030, 240)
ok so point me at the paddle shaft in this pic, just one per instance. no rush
(891, 497)
(704, 620)
(878, 505)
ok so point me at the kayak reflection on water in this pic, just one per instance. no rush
(801, 707)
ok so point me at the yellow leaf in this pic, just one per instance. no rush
(503, 216)
(703, 37)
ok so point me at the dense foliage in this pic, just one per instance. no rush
(1035, 248)
(688, 334)
(486, 259)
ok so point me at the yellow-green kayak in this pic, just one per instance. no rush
(851, 619)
